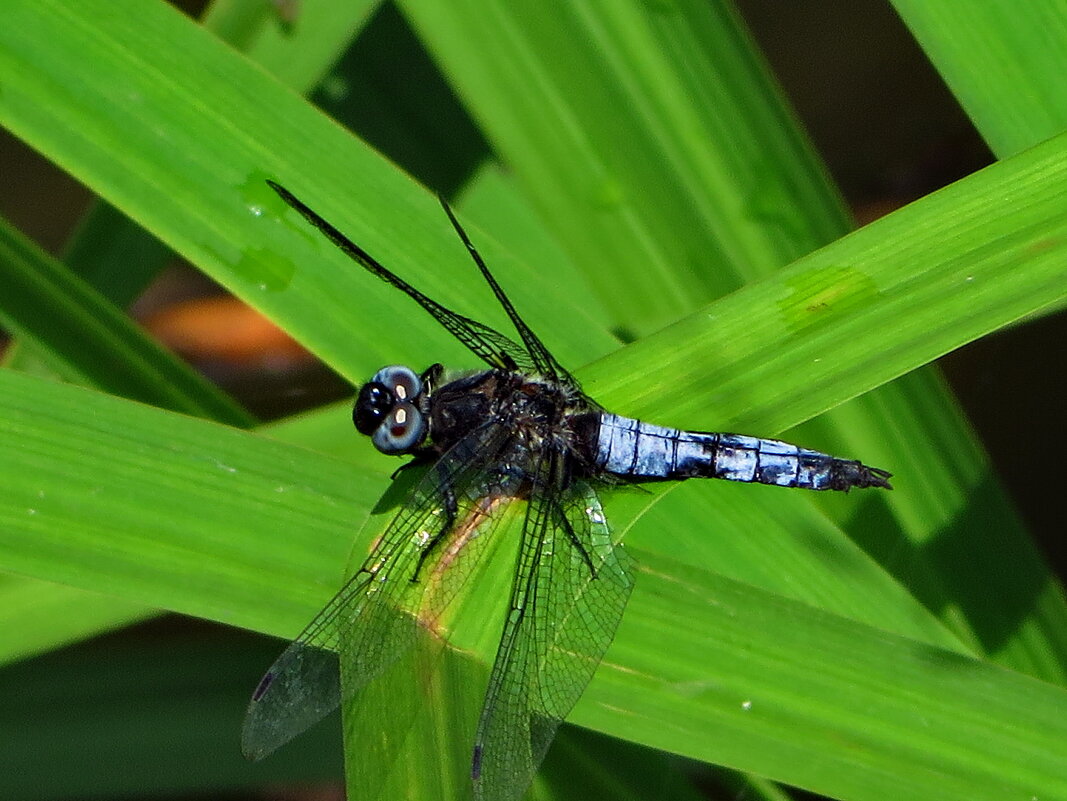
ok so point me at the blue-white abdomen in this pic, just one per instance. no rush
(635, 449)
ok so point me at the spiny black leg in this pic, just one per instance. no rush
(450, 509)
(565, 524)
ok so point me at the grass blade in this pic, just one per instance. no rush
(1002, 62)
(85, 338)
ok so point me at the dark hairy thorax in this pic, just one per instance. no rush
(542, 415)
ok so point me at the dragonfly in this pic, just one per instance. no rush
(524, 430)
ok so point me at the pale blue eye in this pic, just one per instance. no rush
(401, 431)
(400, 380)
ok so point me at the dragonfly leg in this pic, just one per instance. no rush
(565, 524)
(448, 520)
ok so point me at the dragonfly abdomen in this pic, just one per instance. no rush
(636, 449)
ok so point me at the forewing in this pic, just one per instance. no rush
(489, 345)
(571, 587)
(543, 360)
(369, 623)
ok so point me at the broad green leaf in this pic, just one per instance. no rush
(1002, 61)
(101, 493)
(86, 338)
(298, 43)
(38, 616)
(118, 258)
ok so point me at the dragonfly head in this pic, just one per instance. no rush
(387, 410)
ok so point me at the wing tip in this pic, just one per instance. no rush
(476, 762)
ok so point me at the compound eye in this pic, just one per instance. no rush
(374, 402)
(400, 380)
(403, 429)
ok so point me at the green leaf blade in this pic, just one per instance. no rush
(86, 339)
(1002, 61)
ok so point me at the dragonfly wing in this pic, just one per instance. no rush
(543, 361)
(365, 627)
(489, 345)
(571, 587)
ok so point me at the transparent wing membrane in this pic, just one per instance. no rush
(571, 587)
(489, 345)
(371, 621)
